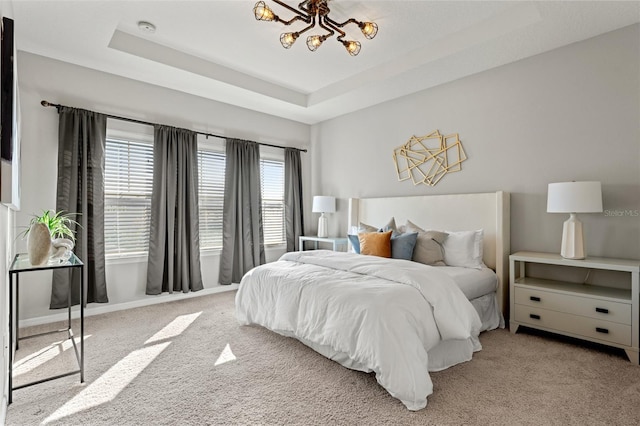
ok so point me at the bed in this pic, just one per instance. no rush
(397, 318)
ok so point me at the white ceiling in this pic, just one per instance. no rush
(217, 50)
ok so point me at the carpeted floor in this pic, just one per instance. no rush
(189, 363)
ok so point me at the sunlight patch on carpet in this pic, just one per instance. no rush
(174, 328)
(225, 356)
(111, 383)
(43, 356)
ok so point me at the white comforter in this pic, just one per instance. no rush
(369, 313)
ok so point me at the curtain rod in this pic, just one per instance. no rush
(133, 120)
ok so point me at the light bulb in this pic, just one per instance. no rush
(313, 42)
(369, 29)
(353, 47)
(262, 12)
(287, 39)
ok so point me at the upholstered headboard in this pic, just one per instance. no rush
(458, 212)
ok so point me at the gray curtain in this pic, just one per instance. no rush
(174, 240)
(242, 234)
(294, 224)
(81, 144)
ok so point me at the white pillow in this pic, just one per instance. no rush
(463, 248)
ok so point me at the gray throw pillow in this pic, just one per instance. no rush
(428, 249)
(390, 226)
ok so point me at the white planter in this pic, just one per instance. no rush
(39, 244)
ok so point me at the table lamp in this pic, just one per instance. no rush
(323, 204)
(573, 198)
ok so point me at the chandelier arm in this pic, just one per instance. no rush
(340, 25)
(330, 27)
(292, 20)
(303, 16)
(307, 28)
(304, 6)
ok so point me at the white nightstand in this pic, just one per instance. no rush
(334, 241)
(596, 312)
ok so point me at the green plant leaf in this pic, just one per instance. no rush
(58, 223)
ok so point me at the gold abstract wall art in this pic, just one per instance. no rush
(426, 159)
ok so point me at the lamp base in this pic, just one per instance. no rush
(322, 226)
(572, 239)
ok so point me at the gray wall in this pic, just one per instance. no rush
(569, 114)
(59, 82)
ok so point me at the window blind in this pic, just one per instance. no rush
(211, 168)
(272, 186)
(128, 188)
(128, 184)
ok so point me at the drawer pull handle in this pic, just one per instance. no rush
(534, 298)
(534, 316)
(602, 330)
(602, 310)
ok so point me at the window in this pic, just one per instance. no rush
(128, 184)
(272, 186)
(211, 167)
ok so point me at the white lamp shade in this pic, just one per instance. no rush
(574, 197)
(323, 204)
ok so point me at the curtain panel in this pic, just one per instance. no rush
(242, 232)
(80, 189)
(293, 207)
(174, 241)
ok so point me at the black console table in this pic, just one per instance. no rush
(19, 266)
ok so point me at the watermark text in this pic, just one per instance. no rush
(622, 213)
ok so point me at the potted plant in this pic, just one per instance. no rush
(49, 236)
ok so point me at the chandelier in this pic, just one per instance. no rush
(315, 12)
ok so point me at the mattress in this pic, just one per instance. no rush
(479, 285)
(474, 283)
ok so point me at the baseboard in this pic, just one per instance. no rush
(103, 308)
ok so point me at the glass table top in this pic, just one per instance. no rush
(21, 263)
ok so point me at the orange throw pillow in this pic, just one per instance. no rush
(375, 243)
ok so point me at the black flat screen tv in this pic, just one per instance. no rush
(6, 84)
(9, 120)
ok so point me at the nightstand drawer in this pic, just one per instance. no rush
(577, 325)
(617, 312)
